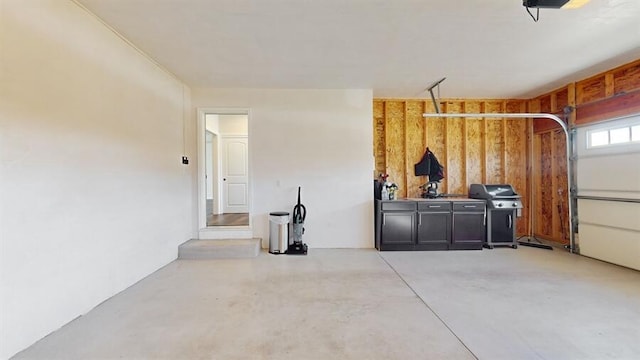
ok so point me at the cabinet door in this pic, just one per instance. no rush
(434, 230)
(397, 230)
(502, 228)
(468, 230)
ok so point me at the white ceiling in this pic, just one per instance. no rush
(485, 48)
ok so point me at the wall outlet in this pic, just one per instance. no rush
(185, 160)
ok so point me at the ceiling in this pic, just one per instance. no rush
(485, 48)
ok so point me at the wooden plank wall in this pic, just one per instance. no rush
(607, 95)
(487, 150)
(472, 150)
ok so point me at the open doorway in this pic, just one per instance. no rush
(224, 181)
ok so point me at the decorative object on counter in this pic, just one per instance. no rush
(378, 185)
(380, 191)
(392, 188)
(429, 190)
(388, 189)
(431, 167)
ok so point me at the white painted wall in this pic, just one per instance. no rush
(93, 195)
(212, 123)
(609, 230)
(234, 125)
(321, 140)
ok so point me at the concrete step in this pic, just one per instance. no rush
(220, 249)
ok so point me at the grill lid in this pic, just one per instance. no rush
(489, 192)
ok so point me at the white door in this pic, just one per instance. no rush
(235, 177)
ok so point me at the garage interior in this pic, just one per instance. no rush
(104, 178)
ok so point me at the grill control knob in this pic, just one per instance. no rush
(499, 204)
(515, 204)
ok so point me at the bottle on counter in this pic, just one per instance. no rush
(392, 189)
(385, 193)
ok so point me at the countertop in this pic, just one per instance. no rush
(462, 198)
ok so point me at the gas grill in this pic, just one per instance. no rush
(503, 206)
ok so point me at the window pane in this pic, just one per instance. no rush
(599, 138)
(619, 136)
(635, 133)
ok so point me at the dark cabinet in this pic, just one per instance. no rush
(397, 228)
(430, 224)
(434, 226)
(469, 224)
(397, 225)
(502, 228)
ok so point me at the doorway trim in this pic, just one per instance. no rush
(219, 232)
(214, 172)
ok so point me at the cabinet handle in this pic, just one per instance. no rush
(419, 220)
(434, 206)
(470, 206)
(510, 217)
(484, 220)
(383, 217)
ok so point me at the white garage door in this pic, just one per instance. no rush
(608, 179)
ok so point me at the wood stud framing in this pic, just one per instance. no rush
(526, 154)
(604, 96)
(471, 150)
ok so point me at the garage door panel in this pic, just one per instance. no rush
(609, 221)
(616, 246)
(615, 172)
(612, 214)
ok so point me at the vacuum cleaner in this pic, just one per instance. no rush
(297, 247)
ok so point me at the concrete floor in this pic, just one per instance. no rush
(361, 304)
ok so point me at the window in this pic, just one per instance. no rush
(619, 136)
(599, 138)
(613, 136)
(635, 133)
